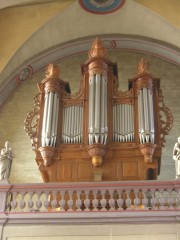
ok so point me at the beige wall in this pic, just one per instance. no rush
(19, 23)
(74, 23)
(93, 232)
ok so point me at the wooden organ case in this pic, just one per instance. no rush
(101, 133)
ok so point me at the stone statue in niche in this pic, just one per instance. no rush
(176, 157)
(6, 157)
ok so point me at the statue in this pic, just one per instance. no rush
(6, 157)
(176, 157)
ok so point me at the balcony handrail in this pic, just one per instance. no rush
(86, 202)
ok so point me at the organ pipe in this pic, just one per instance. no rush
(50, 119)
(97, 109)
(146, 116)
(123, 127)
(72, 124)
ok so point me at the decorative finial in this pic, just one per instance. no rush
(143, 66)
(98, 49)
(52, 71)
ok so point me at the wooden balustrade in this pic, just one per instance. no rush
(93, 197)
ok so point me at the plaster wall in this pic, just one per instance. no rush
(93, 232)
(75, 23)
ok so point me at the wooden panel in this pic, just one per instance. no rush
(109, 170)
(130, 169)
(84, 171)
(66, 171)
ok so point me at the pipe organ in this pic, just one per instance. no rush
(101, 133)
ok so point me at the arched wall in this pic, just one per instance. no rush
(69, 33)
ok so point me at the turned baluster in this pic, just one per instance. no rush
(30, 202)
(38, 202)
(120, 200)
(111, 200)
(153, 200)
(87, 201)
(103, 201)
(146, 199)
(22, 203)
(162, 200)
(14, 201)
(137, 201)
(54, 202)
(70, 202)
(46, 201)
(95, 201)
(62, 202)
(128, 200)
(79, 201)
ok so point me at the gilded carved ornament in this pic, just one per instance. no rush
(143, 67)
(80, 93)
(31, 122)
(119, 93)
(98, 49)
(52, 71)
(166, 119)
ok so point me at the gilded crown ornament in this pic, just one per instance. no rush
(52, 71)
(143, 66)
(98, 49)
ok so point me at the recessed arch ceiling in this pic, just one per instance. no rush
(25, 69)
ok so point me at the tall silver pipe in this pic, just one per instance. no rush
(105, 80)
(102, 117)
(81, 124)
(132, 121)
(69, 124)
(146, 114)
(56, 120)
(97, 107)
(118, 122)
(54, 114)
(91, 107)
(44, 124)
(49, 119)
(114, 122)
(151, 115)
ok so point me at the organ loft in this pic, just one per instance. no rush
(101, 133)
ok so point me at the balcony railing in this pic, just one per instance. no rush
(118, 199)
(88, 196)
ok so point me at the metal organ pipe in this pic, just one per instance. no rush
(72, 124)
(123, 122)
(98, 128)
(50, 119)
(146, 116)
(97, 107)
(44, 125)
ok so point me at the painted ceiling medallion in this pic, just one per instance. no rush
(101, 6)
